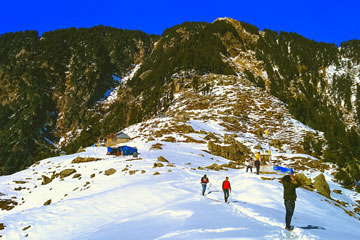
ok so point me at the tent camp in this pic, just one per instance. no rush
(123, 150)
(284, 170)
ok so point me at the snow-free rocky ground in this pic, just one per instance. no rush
(133, 203)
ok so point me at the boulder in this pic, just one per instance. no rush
(67, 172)
(322, 186)
(46, 180)
(48, 202)
(2, 226)
(162, 159)
(156, 173)
(7, 204)
(86, 159)
(77, 175)
(303, 179)
(233, 151)
(26, 228)
(158, 165)
(158, 134)
(215, 167)
(110, 171)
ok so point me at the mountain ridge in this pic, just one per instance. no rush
(307, 76)
(93, 195)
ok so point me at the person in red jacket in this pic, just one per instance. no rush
(226, 188)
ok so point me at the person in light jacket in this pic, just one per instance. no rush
(250, 165)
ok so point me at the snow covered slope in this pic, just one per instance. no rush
(165, 206)
(109, 197)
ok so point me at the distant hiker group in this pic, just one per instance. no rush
(255, 164)
(226, 187)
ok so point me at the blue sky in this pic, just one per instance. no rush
(326, 21)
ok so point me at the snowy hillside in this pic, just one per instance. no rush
(91, 195)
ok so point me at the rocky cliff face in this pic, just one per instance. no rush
(51, 82)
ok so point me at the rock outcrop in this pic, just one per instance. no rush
(110, 171)
(322, 186)
(45, 180)
(67, 172)
(233, 150)
(162, 159)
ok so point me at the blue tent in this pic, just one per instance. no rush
(124, 150)
(284, 170)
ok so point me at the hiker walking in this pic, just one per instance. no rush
(290, 184)
(257, 163)
(226, 188)
(250, 165)
(204, 181)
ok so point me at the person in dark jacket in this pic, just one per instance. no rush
(204, 181)
(290, 184)
(257, 163)
(226, 187)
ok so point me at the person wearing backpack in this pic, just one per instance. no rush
(290, 184)
(226, 187)
(204, 181)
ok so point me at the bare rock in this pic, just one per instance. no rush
(77, 175)
(162, 159)
(26, 228)
(46, 180)
(110, 171)
(7, 204)
(322, 186)
(303, 179)
(83, 160)
(67, 172)
(158, 165)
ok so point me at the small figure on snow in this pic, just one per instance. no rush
(257, 163)
(250, 165)
(290, 184)
(226, 188)
(204, 181)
